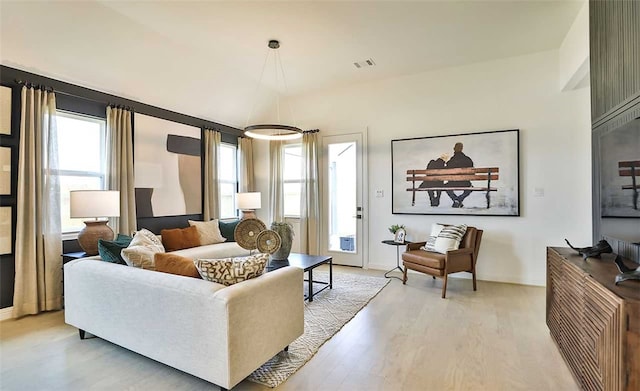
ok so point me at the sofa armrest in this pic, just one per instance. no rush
(415, 245)
(265, 314)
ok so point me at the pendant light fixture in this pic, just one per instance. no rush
(276, 131)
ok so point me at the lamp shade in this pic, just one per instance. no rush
(249, 200)
(95, 203)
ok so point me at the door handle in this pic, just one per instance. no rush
(358, 213)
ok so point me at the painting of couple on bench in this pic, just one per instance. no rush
(458, 160)
(492, 173)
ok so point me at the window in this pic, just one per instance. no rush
(227, 180)
(292, 178)
(81, 160)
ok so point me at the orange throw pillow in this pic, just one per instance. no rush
(175, 264)
(178, 239)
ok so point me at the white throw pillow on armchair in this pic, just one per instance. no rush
(445, 238)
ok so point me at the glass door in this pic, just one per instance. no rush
(342, 199)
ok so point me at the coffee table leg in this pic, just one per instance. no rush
(331, 274)
(310, 285)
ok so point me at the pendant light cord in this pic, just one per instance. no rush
(286, 89)
(255, 95)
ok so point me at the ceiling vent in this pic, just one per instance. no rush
(364, 64)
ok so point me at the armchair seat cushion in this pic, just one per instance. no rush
(425, 258)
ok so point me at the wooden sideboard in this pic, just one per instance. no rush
(595, 323)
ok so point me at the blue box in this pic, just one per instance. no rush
(347, 243)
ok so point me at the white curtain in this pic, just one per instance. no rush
(120, 165)
(211, 158)
(310, 199)
(38, 263)
(246, 181)
(276, 185)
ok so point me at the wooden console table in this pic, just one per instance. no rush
(595, 323)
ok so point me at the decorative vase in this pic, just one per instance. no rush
(285, 230)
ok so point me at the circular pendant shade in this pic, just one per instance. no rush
(273, 132)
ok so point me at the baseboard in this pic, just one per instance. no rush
(6, 313)
(463, 275)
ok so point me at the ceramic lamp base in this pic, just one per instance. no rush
(94, 230)
(248, 214)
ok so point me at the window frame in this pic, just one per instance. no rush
(102, 175)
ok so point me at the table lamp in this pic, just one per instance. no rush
(94, 204)
(248, 203)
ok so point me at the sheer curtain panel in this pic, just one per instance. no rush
(38, 261)
(310, 199)
(276, 185)
(211, 192)
(246, 181)
(120, 165)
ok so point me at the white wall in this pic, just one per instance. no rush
(574, 53)
(521, 92)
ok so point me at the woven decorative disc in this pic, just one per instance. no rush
(268, 241)
(247, 231)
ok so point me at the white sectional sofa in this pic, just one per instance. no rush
(220, 334)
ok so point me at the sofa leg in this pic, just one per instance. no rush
(444, 286)
(81, 332)
(286, 348)
(473, 273)
(404, 276)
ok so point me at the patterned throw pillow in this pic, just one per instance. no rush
(109, 250)
(141, 250)
(431, 242)
(228, 271)
(227, 229)
(449, 238)
(209, 231)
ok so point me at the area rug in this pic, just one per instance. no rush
(325, 316)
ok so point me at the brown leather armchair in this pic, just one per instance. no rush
(441, 265)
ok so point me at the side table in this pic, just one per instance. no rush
(394, 243)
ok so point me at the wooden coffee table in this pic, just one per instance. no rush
(307, 263)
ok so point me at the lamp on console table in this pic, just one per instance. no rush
(248, 203)
(94, 204)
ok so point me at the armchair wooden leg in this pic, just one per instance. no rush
(444, 286)
(404, 276)
(473, 273)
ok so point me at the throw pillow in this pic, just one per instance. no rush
(227, 229)
(180, 238)
(228, 271)
(109, 250)
(141, 250)
(209, 231)
(175, 264)
(449, 238)
(431, 241)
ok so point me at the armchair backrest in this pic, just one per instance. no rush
(471, 239)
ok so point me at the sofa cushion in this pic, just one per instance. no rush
(209, 231)
(175, 264)
(425, 258)
(213, 251)
(109, 250)
(227, 229)
(141, 250)
(229, 271)
(180, 238)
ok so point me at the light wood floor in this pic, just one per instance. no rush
(406, 338)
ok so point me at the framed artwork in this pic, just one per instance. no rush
(619, 168)
(167, 167)
(462, 174)
(400, 235)
(5, 110)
